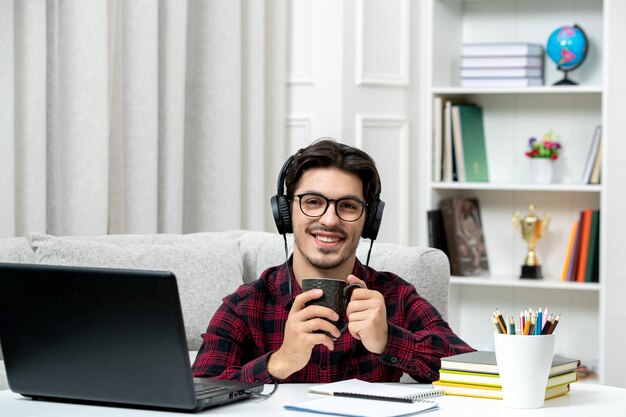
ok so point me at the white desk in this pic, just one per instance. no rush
(583, 400)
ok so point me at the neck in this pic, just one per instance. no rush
(302, 268)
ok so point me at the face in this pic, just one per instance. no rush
(326, 245)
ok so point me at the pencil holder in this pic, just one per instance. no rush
(524, 365)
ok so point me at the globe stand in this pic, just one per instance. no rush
(565, 80)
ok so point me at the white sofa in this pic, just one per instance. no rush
(210, 265)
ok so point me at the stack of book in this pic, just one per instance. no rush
(512, 64)
(459, 143)
(475, 374)
(583, 251)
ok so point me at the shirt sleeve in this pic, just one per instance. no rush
(418, 338)
(226, 351)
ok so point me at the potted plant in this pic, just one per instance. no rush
(543, 153)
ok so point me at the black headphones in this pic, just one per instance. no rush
(282, 214)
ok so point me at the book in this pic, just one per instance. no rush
(471, 138)
(354, 397)
(502, 62)
(585, 225)
(359, 387)
(597, 165)
(591, 272)
(493, 380)
(501, 72)
(501, 82)
(501, 49)
(467, 251)
(438, 109)
(591, 155)
(457, 144)
(568, 254)
(469, 390)
(448, 165)
(436, 231)
(485, 362)
(352, 407)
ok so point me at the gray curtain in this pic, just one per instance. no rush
(140, 116)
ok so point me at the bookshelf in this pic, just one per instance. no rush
(511, 116)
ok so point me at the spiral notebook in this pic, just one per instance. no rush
(371, 399)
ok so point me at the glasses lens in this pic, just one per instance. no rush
(348, 209)
(315, 205)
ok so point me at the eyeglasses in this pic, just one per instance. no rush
(315, 205)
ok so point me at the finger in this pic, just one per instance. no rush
(300, 301)
(352, 279)
(320, 324)
(321, 339)
(315, 311)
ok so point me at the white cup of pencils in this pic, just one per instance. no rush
(524, 357)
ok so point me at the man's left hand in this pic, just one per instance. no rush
(367, 316)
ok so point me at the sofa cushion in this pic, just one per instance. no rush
(206, 268)
(427, 269)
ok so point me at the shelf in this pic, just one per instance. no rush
(524, 283)
(567, 188)
(518, 90)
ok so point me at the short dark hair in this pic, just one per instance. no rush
(328, 153)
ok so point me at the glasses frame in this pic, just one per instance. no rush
(331, 200)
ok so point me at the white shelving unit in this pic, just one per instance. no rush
(511, 116)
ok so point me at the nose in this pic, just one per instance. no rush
(330, 217)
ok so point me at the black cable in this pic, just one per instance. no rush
(288, 269)
(369, 252)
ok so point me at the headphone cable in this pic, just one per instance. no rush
(288, 269)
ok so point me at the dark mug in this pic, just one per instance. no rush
(337, 294)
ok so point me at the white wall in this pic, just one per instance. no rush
(353, 75)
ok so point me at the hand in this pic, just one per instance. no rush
(367, 317)
(299, 339)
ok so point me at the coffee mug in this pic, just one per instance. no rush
(336, 296)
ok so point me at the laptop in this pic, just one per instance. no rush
(102, 335)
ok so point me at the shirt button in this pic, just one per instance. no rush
(323, 366)
(427, 374)
(394, 359)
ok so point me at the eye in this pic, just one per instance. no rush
(313, 201)
(349, 205)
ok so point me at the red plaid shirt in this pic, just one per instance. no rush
(249, 326)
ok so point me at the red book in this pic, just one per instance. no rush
(584, 245)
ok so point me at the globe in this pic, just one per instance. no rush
(567, 47)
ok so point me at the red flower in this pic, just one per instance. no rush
(553, 156)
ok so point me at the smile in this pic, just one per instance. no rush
(326, 239)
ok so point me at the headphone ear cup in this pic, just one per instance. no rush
(374, 219)
(282, 214)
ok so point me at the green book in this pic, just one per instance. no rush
(591, 272)
(472, 138)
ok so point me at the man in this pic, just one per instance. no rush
(265, 331)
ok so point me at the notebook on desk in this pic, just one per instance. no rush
(101, 335)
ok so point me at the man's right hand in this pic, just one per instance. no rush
(299, 339)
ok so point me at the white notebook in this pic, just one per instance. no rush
(363, 399)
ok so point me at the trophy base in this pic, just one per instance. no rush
(531, 272)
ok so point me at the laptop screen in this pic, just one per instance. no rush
(94, 334)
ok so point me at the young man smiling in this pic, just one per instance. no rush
(265, 332)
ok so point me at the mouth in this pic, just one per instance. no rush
(327, 239)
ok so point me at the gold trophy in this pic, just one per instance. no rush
(532, 228)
